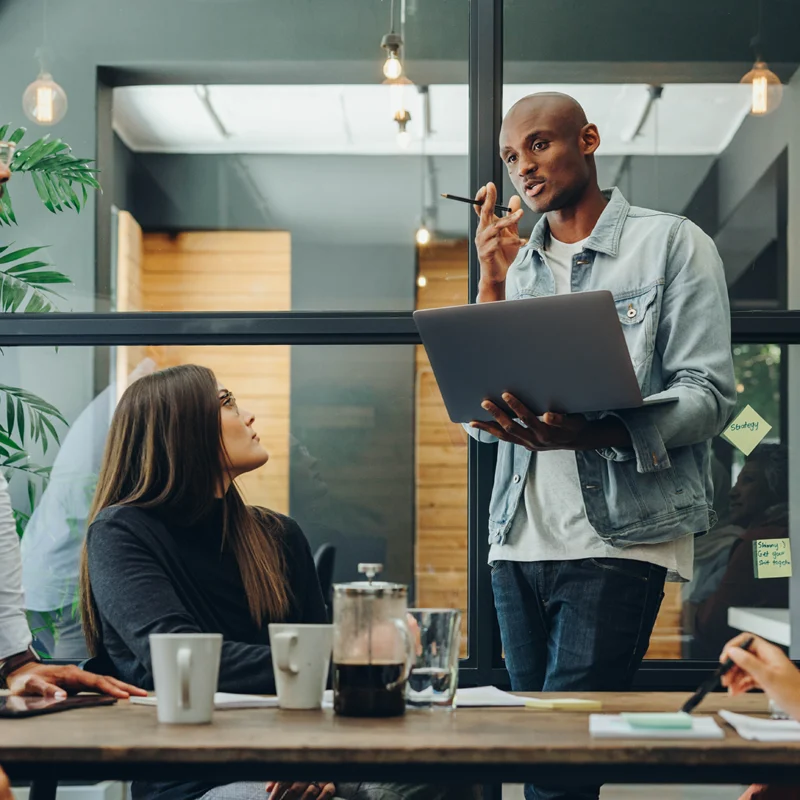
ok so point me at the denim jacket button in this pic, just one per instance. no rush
(517, 479)
(631, 312)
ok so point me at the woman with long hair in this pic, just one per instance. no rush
(173, 548)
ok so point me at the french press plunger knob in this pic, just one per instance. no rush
(370, 570)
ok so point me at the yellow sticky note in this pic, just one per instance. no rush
(563, 704)
(772, 558)
(747, 430)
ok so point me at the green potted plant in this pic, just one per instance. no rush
(29, 284)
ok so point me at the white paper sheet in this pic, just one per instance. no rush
(477, 697)
(487, 696)
(759, 729)
(613, 726)
(223, 701)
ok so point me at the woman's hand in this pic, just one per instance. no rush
(53, 680)
(286, 790)
(763, 666)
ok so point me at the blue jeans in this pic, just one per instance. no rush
(580, 625)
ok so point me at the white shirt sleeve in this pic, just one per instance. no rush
(15, 636)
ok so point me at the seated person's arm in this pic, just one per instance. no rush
(136, 597)
(763, 666)
(28, 676)
(14, 633)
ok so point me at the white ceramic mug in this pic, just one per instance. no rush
(301, 657)
(185, 673)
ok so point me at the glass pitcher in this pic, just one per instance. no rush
(373, 650)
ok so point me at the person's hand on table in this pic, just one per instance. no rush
(5, 787)
(553, 431)
(763, 666)
(52, 680)
(286, 790)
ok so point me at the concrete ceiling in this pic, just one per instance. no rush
(689, 119)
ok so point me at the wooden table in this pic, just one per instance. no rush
(125, 742)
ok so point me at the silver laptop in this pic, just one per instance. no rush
(564, 353)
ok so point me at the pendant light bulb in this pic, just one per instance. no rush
(422, 281)
(423, 237)
(392, 68)
(44, 101)
(766, 90)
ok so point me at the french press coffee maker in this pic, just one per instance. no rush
(373, 650)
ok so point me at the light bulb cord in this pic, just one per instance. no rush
(391, 16)
(757, 42)
(41, 53)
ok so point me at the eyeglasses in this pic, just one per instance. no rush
(229, 401)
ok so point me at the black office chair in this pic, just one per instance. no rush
(324, 561)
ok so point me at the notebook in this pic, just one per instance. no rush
(614, 726)
(758, 729)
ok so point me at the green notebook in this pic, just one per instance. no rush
(671, 720)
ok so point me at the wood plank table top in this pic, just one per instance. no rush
(126, 741)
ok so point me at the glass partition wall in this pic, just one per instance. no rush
(271, 208)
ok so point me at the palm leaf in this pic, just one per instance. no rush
(30, 414)
(55, 173)
(6, 211)
(27, 285)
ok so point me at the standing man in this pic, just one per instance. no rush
(590, 514)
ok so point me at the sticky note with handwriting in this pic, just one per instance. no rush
(772, 558)
(747, 430)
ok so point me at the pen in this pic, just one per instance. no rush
(711, 683)
(497, 206)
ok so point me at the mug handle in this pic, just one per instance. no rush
(282, 644)
(411, 654)
(184, 670)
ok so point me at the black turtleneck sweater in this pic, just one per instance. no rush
(149, 575)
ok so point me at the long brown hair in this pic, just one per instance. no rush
(165, 452)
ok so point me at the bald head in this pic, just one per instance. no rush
(559, 109)
(548, 147)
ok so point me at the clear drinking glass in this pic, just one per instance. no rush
(775, 712)
(434, 678)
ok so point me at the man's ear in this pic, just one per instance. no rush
(589, 139)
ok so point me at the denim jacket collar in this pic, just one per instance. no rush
(606, 234)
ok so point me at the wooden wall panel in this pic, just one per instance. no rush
(230, 271)
(441, 452)
(128, 289)
(441, 483)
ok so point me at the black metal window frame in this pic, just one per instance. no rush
(484, 662)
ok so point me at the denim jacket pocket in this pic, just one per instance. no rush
(637, 315)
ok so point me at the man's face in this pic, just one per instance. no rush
(546, 157)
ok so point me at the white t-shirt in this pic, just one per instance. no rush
(550, 523)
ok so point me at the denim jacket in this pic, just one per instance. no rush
(669, 287)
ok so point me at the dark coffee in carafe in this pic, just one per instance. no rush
(369, 690)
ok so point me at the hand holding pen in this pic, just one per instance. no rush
(497, 241)
(716, 677)
(762, 665)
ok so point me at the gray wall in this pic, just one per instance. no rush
(346, 255)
